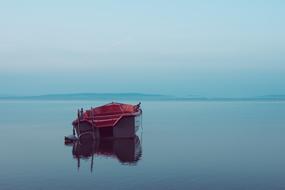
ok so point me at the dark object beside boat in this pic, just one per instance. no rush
(70, 139)
(114, 120)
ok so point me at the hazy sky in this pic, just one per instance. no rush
(206, 47)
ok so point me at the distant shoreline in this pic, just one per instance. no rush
(137, 97)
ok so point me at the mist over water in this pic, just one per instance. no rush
(205, 48)
(184, 145)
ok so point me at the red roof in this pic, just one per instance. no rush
(108, 115)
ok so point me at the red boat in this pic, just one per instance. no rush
(113, 120)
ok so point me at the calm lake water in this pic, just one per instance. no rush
(183, 145)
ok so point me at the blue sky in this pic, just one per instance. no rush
(209, 48)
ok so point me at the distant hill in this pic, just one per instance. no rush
(139, 97)
(255, 98)
(92, 96)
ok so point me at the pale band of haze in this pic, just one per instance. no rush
(208, 48)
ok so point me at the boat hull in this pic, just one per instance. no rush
(125, 127)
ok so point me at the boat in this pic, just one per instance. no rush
(113, 120)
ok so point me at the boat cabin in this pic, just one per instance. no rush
(114, 120)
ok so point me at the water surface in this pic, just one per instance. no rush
(184, 145)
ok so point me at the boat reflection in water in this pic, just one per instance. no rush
(125, 150)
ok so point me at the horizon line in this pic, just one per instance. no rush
(138, 95)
